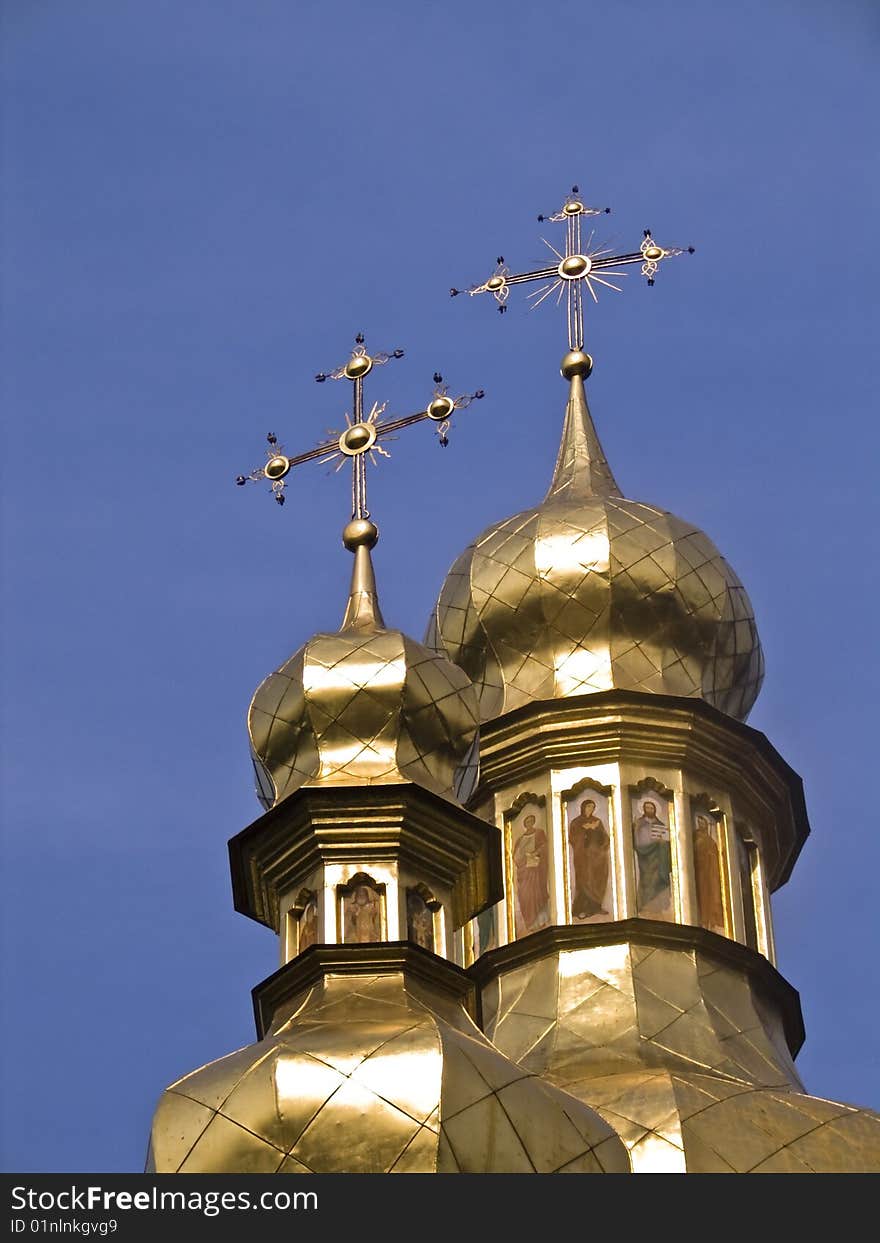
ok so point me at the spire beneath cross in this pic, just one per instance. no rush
(363, 436)
(580, 264)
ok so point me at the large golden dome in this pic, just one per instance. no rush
(364, 706)
(590, 591)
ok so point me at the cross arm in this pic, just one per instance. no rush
(440, 410)
(498, 283)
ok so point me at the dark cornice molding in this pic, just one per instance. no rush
(387, 958)
(336, 824)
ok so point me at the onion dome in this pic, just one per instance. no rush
(364, 706)
(590, 591)
(375, 1067)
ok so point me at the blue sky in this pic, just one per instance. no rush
(202, 203)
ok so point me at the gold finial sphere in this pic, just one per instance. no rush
(654, 252)
(494, 283)
(360, 532)
(357, 439)
(277, 467)
(574, 265)
(573, 207)
(358, 365)
(576, 362)
(440, 409)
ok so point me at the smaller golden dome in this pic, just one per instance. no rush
(364, 706)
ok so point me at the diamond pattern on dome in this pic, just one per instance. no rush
(589, 595)
(590, 591)
(676, 1052)
(366, 705)
(368, 1077)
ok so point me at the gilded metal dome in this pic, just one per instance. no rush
(364, 706)
(590, 591)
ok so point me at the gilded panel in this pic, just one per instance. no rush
(177, 1125)
(462, 1082)
(482, 1139)
(419, 1156)
(323, 1040)
(512, 984)
(253, 1104)
(290, 1165)
(690, 1038)
(589, 1163)
(612, 964)
(670, 974)
(732, 1131)
(710, 870)
(496, 1070)
(330, 1142)
(406, 1071)
(532, 1110)
(654, 1154)
(848, 1144)
(224, 1141)
(446, 1162)
(645, 1100)
(540, 992)
(303, 1083)
(210, 1085)
(597, 1037)
(518, 1035)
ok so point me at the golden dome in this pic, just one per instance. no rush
(590, 591)
(364, 706)
(371, 1071)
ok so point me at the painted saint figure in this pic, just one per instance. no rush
(419, 920)
(591, 862)
(308, 925)
(530, 866)
(654, 859)
(707, 871)
(363, 915)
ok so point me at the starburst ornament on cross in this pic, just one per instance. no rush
(363, 436)
(580, 265)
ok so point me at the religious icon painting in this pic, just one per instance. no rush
(420, 918)
(586, 816)
(528, 862)
(707, 844)
(302, 922)
(652, 822)
(362, 914)
(307, 922)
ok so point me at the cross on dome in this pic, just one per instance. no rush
(579, 265)
(363, 436)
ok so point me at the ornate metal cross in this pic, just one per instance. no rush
(362, 436)
(580, 265)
